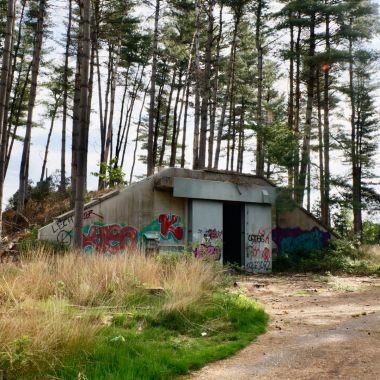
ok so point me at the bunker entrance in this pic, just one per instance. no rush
(233, 233)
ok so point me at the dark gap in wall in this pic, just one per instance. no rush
(232, 231)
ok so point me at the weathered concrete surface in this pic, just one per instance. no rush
(318, 331)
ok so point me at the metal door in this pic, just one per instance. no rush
(207, 229)
(258, 238)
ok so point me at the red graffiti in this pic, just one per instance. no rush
(90, 213)
(168, 226)
(266, 254)
(111, 239)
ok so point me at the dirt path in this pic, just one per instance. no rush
(321, 328)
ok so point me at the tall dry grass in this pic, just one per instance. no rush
(93, 280)
(372, 253)
(38, 323)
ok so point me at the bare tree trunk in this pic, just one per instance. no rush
(297, 112)
(123, 103)
(76, 117)
(83, 130)
(291, 96)
(6, 61)
(18, 116)
(138, 134)
(176, 125)
(356, 172)
(48, 141)
(326, 135)
(7, 116)
(24, 167)
(134, 97)
(206, 87)
(150, 157)
(197, 95)
(241, 138)
(183, 153)
(260, 155)
(320, 143)
(215, 92)
(227, 95)
(167, 117)
(157, 124)
(65, 101)
(305, 156)
(109, 139)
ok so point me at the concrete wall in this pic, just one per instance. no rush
(122, 220)
(148, 209)
(299, 231)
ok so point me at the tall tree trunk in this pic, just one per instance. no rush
(6, 61)
(167, 117)
(18, 112)
(157, 124)
(53, 116)
(133, 101)
(241, 138)
(62, 186)
(24, 167)
(214, 104)
(260, 155)
(291, 94)
(356, 174)
(197, 95)
(150, 157)
(305, 156)
(176, 125)
(297, 113)
(325, 206)
(231, 66)
(121, 118)
(138, 134)
(76, 117)
(184, 131)
(83, 124)
(206, 84)
(320, 143)
(109, 139)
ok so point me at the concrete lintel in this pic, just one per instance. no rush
(222, 191)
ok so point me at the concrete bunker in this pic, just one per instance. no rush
(222, 216)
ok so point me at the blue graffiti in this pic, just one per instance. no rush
(290, 240)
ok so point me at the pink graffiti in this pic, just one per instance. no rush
(111, 239)
(168, 226)
(207, 251)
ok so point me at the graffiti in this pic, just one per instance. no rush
(210, 246)
(64, 237)
(290, 240)
(109, 239)
(259, 266)
(61, 224)
(169, 226)
(63, 229)
(88, 214)
(259, 252)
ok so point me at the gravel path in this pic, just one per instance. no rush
(321, 328)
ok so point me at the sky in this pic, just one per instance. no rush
(39, 135)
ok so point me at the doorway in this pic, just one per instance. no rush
(233, 214)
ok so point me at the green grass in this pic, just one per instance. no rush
(148, 343)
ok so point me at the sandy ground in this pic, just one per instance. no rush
(321, 328)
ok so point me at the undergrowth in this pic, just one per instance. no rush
(122, 317)
(338, 258)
